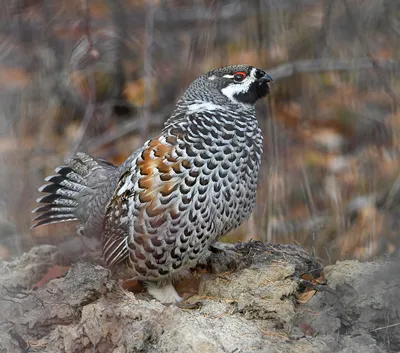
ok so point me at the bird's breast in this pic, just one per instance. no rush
(227, 158)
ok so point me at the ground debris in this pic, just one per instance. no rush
(248, 304)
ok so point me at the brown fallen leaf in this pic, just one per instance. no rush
(52, 273)
(305, 297)
(321, 279)
(315, 281)
(307, 277)
(312, 284)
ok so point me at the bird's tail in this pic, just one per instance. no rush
(65, 190)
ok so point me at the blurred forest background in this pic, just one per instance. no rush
(102, 76)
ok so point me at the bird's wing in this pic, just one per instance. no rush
(150, 196)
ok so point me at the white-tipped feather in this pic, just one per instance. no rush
(50, 177)
(66, 190)
(42, 188)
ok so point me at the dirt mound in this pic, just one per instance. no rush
(252, 309)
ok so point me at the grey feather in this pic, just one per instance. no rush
(180, 192)
(79, 191)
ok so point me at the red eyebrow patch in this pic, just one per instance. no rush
(240, 73)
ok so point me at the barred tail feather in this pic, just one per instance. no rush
(60, 204)
(83, 181)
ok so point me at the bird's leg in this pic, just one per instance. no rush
(167, 294)
(164, 293)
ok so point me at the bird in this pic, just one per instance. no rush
(162, 209)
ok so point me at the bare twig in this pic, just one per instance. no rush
(278, 73)
(91, 88)
(297, 226)
(385, 327)
(367, 51)
(322, 65)
(124, 129)
(234, 10)
(310, 205)
(260, 31)
(274, 161)
(87, 116)
(228, 12)
(321, 42)
(144, 129)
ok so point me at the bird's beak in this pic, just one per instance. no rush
(267, 78)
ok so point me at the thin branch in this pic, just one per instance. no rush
(228, 12)
(260, 39)
(297, 226)
(144, 130)
(322, 65)
(91, 87)
(278, 73)
(87, 24)
(385, 327)
(310, 204)
(367, 52)
(323, 35)
(131, 127)
(166, 17)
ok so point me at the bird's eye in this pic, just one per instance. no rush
(239, 76)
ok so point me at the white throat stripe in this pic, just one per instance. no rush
(203, 106)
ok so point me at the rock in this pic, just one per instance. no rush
(361, 309)
(258, 294)
(248, 298)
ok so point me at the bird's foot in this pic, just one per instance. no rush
(164, 293)
(184, 305)
(167, 294)
(187, 304)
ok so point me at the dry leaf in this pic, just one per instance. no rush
(52, 273)
(305, 297)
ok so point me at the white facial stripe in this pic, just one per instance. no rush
(229, 76)
(212, 78)
(253, 72)
(235, 88)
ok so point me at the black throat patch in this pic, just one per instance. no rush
(258, 89)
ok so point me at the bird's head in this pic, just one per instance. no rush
(238, 84)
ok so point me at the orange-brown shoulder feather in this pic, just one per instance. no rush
(157, 166)
(157, 176)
